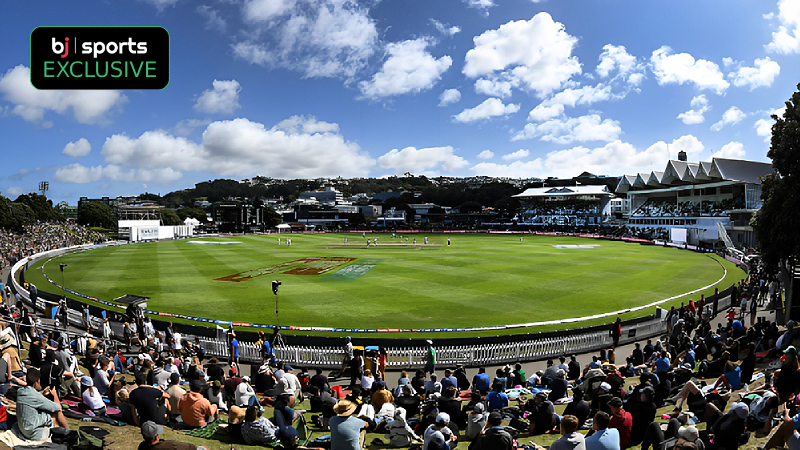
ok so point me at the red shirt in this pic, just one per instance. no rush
(623, 422)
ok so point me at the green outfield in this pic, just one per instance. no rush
(478, 280)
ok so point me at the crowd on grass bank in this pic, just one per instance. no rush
(611, 401)
(696, 371)
(43, 236)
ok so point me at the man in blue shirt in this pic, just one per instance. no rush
(662, 363)
(604, 438)
(449, 380)
(481, 381)
(497, 399)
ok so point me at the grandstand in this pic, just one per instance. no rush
(574, 206)
(692, 198)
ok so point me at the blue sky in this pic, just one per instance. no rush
(327, 88)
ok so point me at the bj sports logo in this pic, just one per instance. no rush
(99, 58)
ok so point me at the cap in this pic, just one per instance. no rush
(689, 433)
(615, 402)
(287, 368)
(443, 417)
(740, 409)
(495, 415)
(605, 386)
(430, 342)
(246, 378)
(86, 381)
(790, 351)
(217, 383)
(478, 408)
(150, 430)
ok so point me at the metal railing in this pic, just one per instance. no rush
(468, 355)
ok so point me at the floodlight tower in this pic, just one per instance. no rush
(44, 186)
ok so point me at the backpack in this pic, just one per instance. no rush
(76, 439)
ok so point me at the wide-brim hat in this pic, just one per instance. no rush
(344, 408)
(236, 414)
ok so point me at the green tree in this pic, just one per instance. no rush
(194, 213)
(170, 217)
(271, 217)
(470, 207)
(21, 215)
(96, 214)
(41, 206)
(775, 224)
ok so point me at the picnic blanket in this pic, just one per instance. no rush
(14, 438)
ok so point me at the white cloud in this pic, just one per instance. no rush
(613, 158)
(542, 112)
(763, 74)
(81, 147)
(14, 191)
(732, 116)
(80, 174)
(534, 55)
(516, 169)
(787, 39)
(162, 4)
(578, 129)
(409, 68)
(480, 4)
(298, 147)
(187, 126)
(88, 107)
(682, 68)
(491, 107)
(320, 38)
(415, 160)
(224, 98)
(615, 57)
(445, 29)
(519, 154)
(694, 116)
(213, 20)
(495, 86)
(731, 150)
(486, 154)
(764, 128)
(449, 96)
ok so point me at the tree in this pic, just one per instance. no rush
(271, 217)
(96, 214)
(194, 213)
(170, 217)
(21, 215)
(775, 224)
(41, 207)
(470, 207)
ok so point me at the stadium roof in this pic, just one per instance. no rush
(564, 191)
(682, 173)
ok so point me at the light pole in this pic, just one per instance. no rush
(277, 338)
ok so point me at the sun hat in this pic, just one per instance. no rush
(236, 414)
(344, 408)
(86, 381)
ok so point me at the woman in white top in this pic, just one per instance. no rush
(366, 380)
